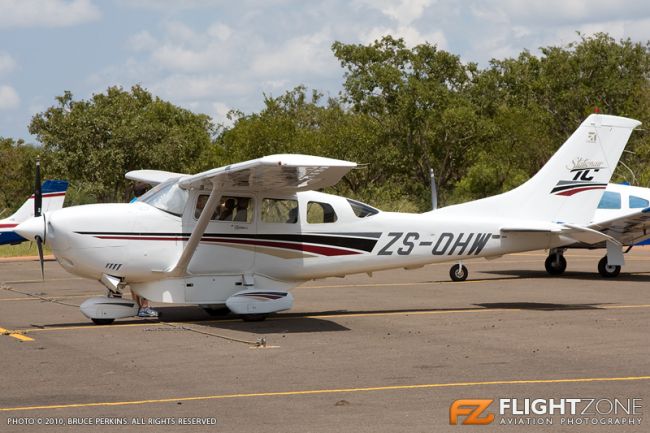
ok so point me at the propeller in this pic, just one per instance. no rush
(38, 210)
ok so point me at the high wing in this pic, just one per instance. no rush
(278, 173)
(152, 177)
(628, 229)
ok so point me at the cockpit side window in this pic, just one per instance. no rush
(638, 202)
(362, 210)
(610, 200)
(320, 213)
(279, 211)
(230, 208)
(167, 196)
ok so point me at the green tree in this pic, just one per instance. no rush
(419, 97)
(94, 142)
(17, 162)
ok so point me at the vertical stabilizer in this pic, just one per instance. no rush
(569, 186)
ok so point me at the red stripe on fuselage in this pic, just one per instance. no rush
(316, 249)
(7, 226)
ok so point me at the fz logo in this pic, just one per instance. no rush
(472, 411)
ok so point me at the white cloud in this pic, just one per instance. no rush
(220, 31)
(303, 54)
(402, 11)
(559, 12)
(411, 36)
(7, 63)
(46, 13)
(8, 98)
(142, 41)
(187, 87)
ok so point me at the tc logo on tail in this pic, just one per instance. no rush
(583, 171)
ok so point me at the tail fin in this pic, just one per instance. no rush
(53, 197)
(570, 185)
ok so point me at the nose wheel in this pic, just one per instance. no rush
(458, 272)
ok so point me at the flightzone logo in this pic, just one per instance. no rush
(583, 171)
(542, 411)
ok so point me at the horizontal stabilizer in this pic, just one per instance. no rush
(586, 235)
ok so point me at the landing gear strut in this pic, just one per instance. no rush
(607, 270)
(458, 272)
(555, 263)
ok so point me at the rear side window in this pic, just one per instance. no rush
(638, 202)
(279, 211)
(320, 213)
(610, 200)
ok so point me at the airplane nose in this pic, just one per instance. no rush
(31, 228)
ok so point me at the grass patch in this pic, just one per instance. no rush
(24, 249)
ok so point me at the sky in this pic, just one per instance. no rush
(211, 56)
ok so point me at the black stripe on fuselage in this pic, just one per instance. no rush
(360, 244)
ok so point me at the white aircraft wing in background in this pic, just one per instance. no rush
(152, 177)
(628, 229)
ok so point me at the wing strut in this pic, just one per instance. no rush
(201, 225)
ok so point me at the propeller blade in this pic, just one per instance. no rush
(39, 245)
(38, 193)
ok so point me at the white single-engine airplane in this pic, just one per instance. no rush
(622, 213)
(245, 234)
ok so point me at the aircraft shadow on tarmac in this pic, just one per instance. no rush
(570, 275)
(307, 322)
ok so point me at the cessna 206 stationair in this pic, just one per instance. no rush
(245, 234)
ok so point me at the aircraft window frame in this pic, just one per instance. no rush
(362, 210)
(327, 216)
(292, 215)
(167, 197)
(610, 200)
(219, 211)
(636, 202)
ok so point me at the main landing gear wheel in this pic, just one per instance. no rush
(555, 264)
(103, 321)
(458, 273)
(608, 271)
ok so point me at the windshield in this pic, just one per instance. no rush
(167, 196)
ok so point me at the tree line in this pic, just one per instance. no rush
(402, 111)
